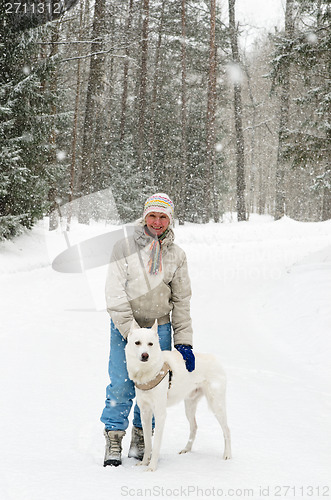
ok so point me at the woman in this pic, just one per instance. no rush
(147, 280)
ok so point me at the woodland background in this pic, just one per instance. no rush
(139, 96)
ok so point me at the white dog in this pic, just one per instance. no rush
(161, 380)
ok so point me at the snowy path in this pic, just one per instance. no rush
(261, 302)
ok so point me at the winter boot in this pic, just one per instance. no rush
(113, 447)
(137, 446)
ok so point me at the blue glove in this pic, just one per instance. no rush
(188, 356)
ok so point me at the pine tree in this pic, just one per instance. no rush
(27, 157)
(310, 143)
(304, 136)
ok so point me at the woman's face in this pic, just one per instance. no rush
(157, 222)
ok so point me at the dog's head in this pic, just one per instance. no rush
(143, 343)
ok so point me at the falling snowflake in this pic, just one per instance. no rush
(61, 155)
(235, 73)
(312, 38)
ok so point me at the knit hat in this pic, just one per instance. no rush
(159, 202)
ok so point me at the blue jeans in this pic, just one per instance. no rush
(120, 392)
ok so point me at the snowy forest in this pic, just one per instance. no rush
(152, 95)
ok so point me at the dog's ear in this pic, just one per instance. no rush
(134, 326)
(154, 327)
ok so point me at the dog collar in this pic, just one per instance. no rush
(155, 381)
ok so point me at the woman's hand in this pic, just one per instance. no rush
(188, 356)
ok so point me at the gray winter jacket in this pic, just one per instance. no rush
(132, 292)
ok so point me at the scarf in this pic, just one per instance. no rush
(155, 260)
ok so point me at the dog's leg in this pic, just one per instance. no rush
(190, 411)
(216, 401)
(160, 416)
(221, 417)
(146, 420)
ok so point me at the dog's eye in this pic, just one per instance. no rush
(137, 342)
(150, 343)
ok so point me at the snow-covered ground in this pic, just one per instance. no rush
(261, 302)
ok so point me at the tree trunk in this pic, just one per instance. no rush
(240, 147)
(52, 194)
(126, 71)
(93, 109)
(326, 208)
(154, 91)
(143, 86)
(280, 209)
(210, 122)
(182, 187)
(252, 204)
(75, 122)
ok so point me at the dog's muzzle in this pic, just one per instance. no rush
(144, 356)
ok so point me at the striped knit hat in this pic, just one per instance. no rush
(159, 202)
